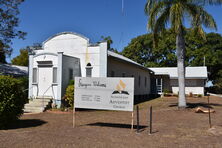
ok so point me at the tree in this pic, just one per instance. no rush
(21, 59)
(164, 13)
(141, 50)
(8, 23)
(209, 51)
(109, 41)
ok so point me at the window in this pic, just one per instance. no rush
(54, 75)
(123, 74)
(145, 81)
(34, 75)
(88, 70)
(112, 74)
(70, 74)
(44, 63)
(139, 81)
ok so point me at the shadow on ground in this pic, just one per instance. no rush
(194, 105)
(26, 123)
(116, 125)
(138, 100)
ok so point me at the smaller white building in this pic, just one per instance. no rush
(166, 78)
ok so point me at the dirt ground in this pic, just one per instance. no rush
(171, 127)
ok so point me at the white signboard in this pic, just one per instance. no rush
(104, 93)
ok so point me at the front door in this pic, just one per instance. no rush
(45, 81)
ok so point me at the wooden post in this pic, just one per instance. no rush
(74, 118)
(151, 112)
(209, 110)
(138, 124)
(132, 122)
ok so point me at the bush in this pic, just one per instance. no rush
(69, 96)
(12, 100)
(166, 92)
(24, 81)
(214, 89)
(71, 82)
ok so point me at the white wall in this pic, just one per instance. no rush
(188, 90)
(195, 86)
(36, 88)
(119, 67)
(76, 45)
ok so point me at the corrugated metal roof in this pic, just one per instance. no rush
(121, 57)
(6, 69)
(191, 72)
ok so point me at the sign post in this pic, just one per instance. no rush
(74, 117)
(132, 122)
(104, 93)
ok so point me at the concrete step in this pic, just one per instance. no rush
(39, 101)
(33, 107)
(33, 110)
(37, 105)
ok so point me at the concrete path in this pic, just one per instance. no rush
(218, 95)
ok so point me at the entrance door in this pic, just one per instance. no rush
(159, 85)
(45, 81)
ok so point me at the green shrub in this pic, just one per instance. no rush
(24, 81)
(12, 100)
(214, 89)
(69, 96)
(166, 92)
(71, 82)
(199, 95)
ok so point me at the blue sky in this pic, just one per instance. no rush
(91, 18)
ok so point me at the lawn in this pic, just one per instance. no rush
(171, 127)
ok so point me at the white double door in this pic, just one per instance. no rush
(45, 81)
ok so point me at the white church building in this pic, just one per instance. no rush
(67, 54)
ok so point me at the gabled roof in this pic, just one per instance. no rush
(191, 72)
(13, 70)
(121, 57)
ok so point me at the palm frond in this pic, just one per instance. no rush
(176, 16)
(149, 5)
(160, 25)
(155, 12)
(206, 19)
(206, 2)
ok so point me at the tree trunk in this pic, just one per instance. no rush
(180, 45)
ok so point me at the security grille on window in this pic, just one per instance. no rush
(34, 75)
(88, 70)
(54, 77)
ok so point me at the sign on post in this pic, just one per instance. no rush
(104, 93)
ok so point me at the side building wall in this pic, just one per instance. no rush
(119, 68)
(70, 69)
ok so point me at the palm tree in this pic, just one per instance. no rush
(163, 14)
